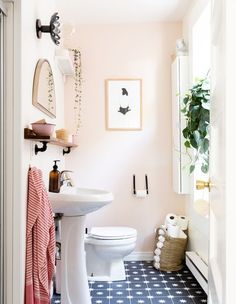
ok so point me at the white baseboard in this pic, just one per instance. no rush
(139, 256)
(198, 268)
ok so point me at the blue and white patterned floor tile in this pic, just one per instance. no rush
(146, 285)
(120, 301)
(100, 301)
(161, 300)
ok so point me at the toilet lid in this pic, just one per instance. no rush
(112, 233)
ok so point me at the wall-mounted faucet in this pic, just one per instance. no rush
(66, 179)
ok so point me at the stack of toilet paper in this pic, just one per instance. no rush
(174, 227)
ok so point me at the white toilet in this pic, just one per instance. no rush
(105, 249)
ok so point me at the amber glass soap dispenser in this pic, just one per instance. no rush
(54, 179)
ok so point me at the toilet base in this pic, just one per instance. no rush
(106, 248)
(116, 272)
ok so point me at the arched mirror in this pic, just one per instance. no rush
(43, 88)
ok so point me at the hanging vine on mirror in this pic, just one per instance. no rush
(50, 89)
(196, 111)
(77, 89)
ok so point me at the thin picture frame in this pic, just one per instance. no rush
(123, 98)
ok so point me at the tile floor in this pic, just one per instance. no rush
(146, 285)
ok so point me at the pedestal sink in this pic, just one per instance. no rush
(74, 203)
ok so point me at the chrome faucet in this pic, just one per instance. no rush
(66, 179)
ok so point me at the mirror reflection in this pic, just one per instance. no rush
(43, 88)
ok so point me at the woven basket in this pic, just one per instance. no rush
(172, 252)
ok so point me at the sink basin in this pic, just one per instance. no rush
(74, 201)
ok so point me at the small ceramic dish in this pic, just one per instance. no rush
(43, 129)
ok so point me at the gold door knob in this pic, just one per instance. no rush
(200, 185)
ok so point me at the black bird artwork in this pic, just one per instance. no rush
(124, 110)
(124, 92)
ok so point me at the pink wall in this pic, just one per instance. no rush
(108, 159)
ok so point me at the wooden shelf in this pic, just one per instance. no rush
(30, 135)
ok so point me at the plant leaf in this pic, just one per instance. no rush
(205, 115)
(204, 145)
(202, 127)
(186, 100)
(191, 168)
(204, 168)
(193, 125)
(193, 143)
(185, 132)
(197, 136)
(187, 144)
(206, 105)
(195, 112)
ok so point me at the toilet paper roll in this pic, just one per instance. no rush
(156, 265)
(141, 193)
(159, 245)
(171, 219)
(156, 258)
(157, 251)
(182, 235)
(173, 231)
(183, 222)
(161, 238)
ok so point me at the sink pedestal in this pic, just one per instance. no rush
(74, 282)
(74, 203)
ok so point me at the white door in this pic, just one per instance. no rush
(222, 252)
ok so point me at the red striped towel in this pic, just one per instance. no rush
(40, 241)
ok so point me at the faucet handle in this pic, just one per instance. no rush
(68, 171)
(66, 178)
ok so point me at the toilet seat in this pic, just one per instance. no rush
(112, 233)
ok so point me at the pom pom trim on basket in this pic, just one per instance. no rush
(169, 250)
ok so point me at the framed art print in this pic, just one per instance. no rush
(123, 104)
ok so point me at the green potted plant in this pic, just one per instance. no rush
(197, 114)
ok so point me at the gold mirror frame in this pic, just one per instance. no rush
(43, 88)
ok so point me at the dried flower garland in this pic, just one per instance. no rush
(50, 90)
(77, 89)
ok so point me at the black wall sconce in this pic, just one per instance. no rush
(52, 28)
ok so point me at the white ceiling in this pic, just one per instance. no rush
(120, 11)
